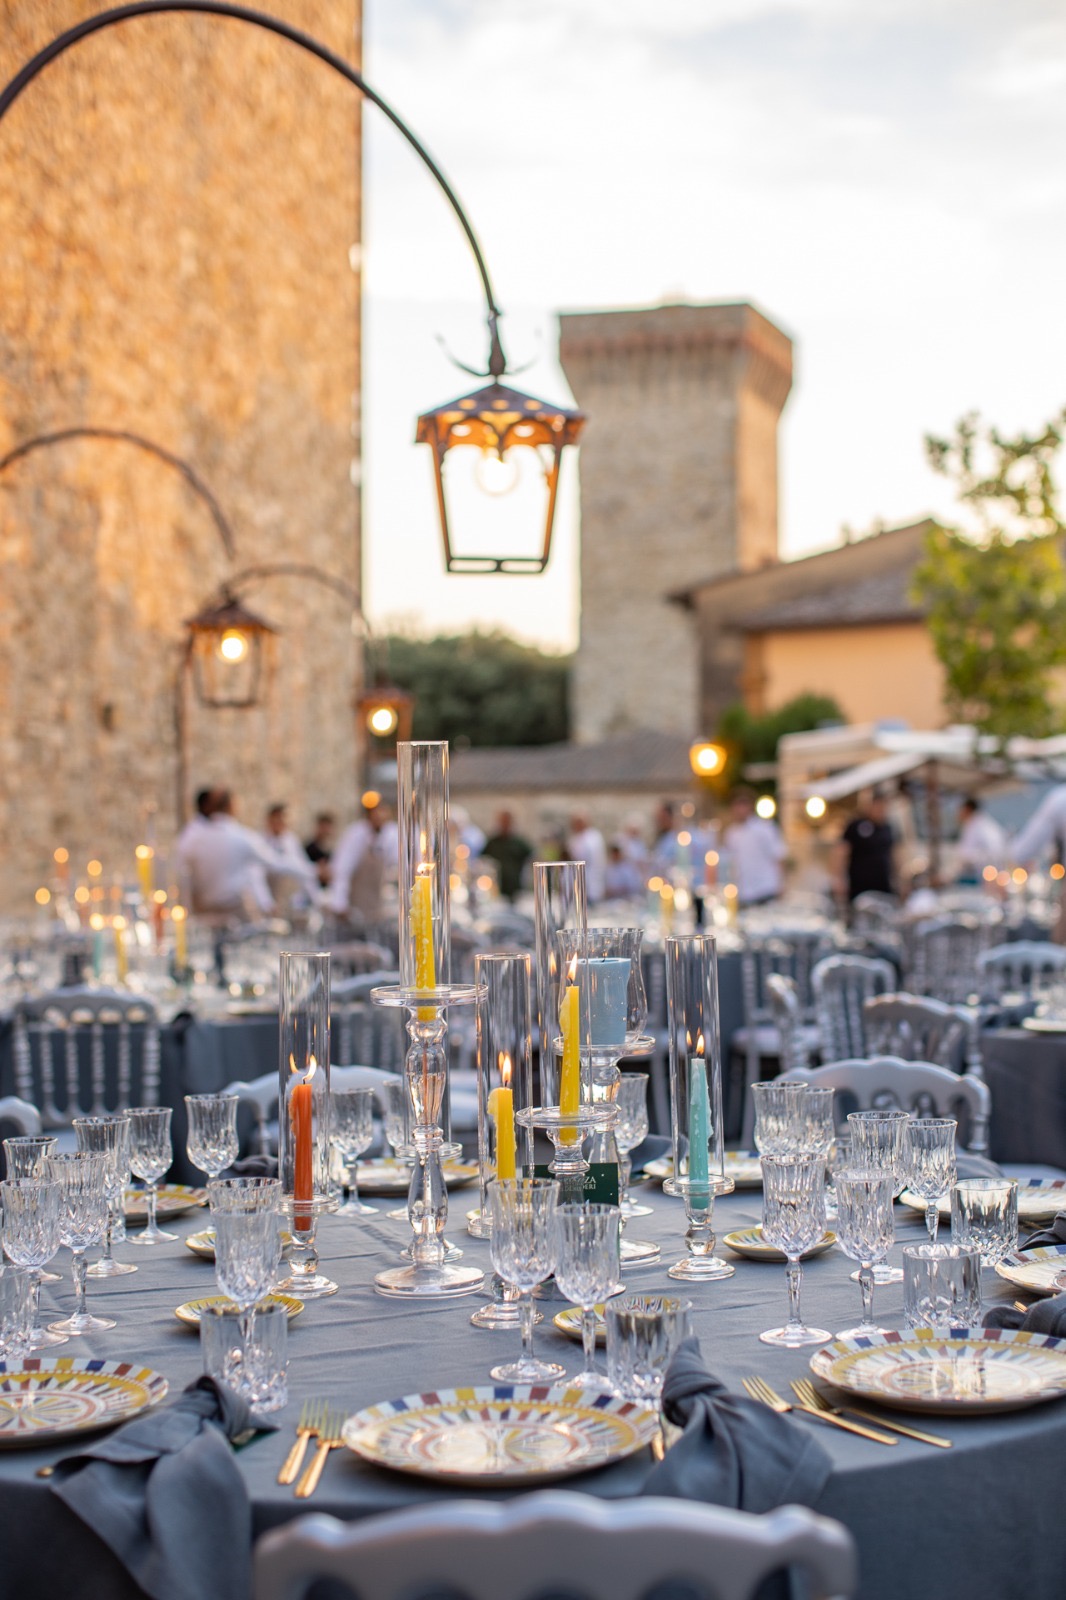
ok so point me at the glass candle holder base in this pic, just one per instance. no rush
(701, 1269)
(568, 1131)
(429, 1283)
(304, 1279)
(452, 1252)
(477, 1226)
(314, 1287)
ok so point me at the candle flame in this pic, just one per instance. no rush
(312, 1067)
(571, 971)
(699, 1044)
(505, 1070)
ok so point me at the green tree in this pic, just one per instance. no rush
(750, 740)
(482, 689)
(996, 594)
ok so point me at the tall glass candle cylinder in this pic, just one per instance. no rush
(424, 868)
(303, 1082)
(505, 1071)
(560, 908)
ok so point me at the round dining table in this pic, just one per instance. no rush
(981, 1519)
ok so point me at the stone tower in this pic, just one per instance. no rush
(180, 211)
(678, 483)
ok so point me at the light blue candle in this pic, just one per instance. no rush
(608, 991)
(699, 1122)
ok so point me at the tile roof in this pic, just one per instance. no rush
(641, 760)
(883, 597)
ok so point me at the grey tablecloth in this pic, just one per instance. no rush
(1026, 1074)
(980, 1521)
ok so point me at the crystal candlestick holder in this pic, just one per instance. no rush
(303, 1115)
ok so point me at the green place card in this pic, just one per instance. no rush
(601, 1182)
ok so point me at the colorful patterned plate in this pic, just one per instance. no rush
(47, 1398)
(511, 1433)
(1035, 1270)
(203, 1243)
(383, 1175)
(1038, 1200)
(568, 1321)
(189, 1313)
(743, 1166)
(979, 1370)
(171, 1199)
(749, 1242)
(1044, 1024)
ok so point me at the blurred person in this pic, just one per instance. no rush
(467, 832)
(295, 889)
(586, 844)
(1046, 826)
(866, 851)
(982, 841)
(510, 852)
(205, 805)
(633, 844)
(226, 863)
(624, 879)
(365, 855)
(756, 852)
(664, 826)
(319, 848)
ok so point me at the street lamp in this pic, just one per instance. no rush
(503, 422)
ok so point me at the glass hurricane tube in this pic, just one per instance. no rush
(303, 1113)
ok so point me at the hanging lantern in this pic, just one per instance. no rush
(227, 647)
(385, 711)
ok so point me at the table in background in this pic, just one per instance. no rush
(981, 1520)
(1026, 1076)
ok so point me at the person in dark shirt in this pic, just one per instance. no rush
(510, 853)
(319, 848)
(868, 846)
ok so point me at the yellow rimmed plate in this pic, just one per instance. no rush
(743, 1166)
(749, 1242)
(568, 1321)
(384, 1176)
(1039, 1199)
(967, 1370)
(1035, 1271)
(171, 1199)
(508, 1433)
(202, 1244)
(189, 1313)
(47, 1398)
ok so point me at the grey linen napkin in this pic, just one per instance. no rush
(733, 1451)
(970, 1166)
(166, 1496)
(1054, 1234)
(1045, 1316)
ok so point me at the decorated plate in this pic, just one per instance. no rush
(1035, 1270)
(171, 1199)
(979, 1370)
(383, 1175)
(203, 1243)
(46, 1398)
(190, 1312)
(749, 1242)
(743, 1166)
(1039, 1199)
(568, 1321)
(510, 1433)
(1044, 1024)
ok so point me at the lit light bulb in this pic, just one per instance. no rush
(816, 807)
(382, 720)
(233, 645)
(496, 474)
(766, 807)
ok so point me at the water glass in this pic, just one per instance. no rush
(587, 1270)
(793, 1219)
(108, 1136)
(941, 1286)
(351, 1126)
(243, 1194)
(81, 1177)
(254, 1364)
(16, 1302)
(212, 1141)
(151, 1154)
(816, 1114)
(878, 1143)
(631, 1103)
(523, 1245)
(931, 1165)
(779, 1117)
(865, 1230)
(643, 1331)
(984, 1217)
(31, 1239)
(24, 1154)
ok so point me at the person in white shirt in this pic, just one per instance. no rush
(364, 857)
(756, 850)
(221, 861)
(1046, 825)
(982, 842)
(586, 844)
(186, 842)
(295, 890)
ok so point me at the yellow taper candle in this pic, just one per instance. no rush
(181, 936)
(122, 965)
(570, 1071)
(146, 870)
(422, 934)
(500, 1108)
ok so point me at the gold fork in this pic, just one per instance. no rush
(312, 1415)
(805, 1392)
(329, 1438)
(759, 1389)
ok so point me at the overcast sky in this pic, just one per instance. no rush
(885, 179)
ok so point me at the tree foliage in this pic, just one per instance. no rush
(996, 596)
(482, 689)
(750, 739)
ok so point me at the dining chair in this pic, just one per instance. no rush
(355, 958)
(876, 913)
(261, 1094)
(557, 1542)
(792, 952)
(782, 997)
(944, 953)
(1028, 966)
(840, 985)
(918, 1028)
(878, 1082)
(84, 1052)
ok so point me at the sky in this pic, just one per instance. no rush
(885, 179)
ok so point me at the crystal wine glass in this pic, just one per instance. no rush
(779, 1121)
(247, 1258)
(865, 1229)
(631, 1102)
(522, 1242)
(587, 1269)
(151, 1154)
(31, 1239)
(931, 1164)
(878, 1142)
(81, 1177)
(351, 1126)
(212, 1142)
(793, 1219)
(25, 1156)
(108, 1136)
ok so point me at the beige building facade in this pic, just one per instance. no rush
(180, 207)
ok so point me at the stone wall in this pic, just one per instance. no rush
(678, 484)
(179, 199)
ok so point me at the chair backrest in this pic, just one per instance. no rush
(944, 953)
(18, 1115)
(790, 952)
(1028, 965)
(918, 1086)
(357, 957)
(84, 1052)
(875, 912)
(782, 997)
(841, 984)
(917, 1028)
(362, 1031)
(262, 1095)
(556, 1542)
